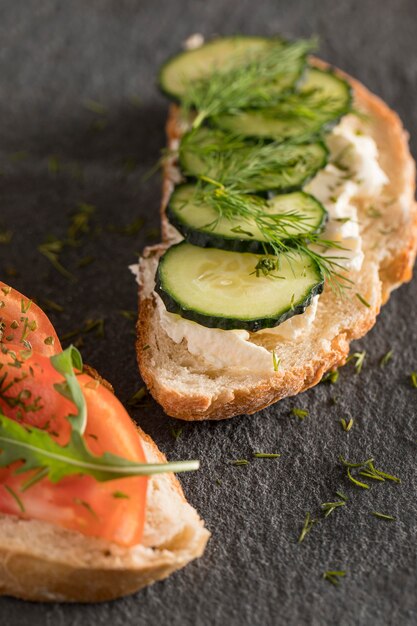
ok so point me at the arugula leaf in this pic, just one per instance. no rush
(37, 449)
(64, 363)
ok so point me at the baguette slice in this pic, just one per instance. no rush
(189, 388)
(43, 562)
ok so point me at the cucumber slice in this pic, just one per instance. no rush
(322, 100)
(251, 166)
(221, 289)
(200, 223)
(225, 55)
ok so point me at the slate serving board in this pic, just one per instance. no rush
(58, 148)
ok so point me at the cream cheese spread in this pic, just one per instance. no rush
(353, 172)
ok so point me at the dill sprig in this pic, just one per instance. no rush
(258, 80)
(251, 166)
(307, 526)
(333, 576)
(277, 229)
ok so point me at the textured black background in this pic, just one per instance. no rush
(55, 56)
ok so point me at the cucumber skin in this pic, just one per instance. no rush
(226, 323)
(211, 240)
(177, 99)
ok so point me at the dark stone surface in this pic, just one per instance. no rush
(55, 56)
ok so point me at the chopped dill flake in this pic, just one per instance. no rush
(362, 299)
(266, 455)
(300, 413)
(86, 506)
(152, 233)
(129, 315)
(341, 495)
(15, 498)
(85, 261)
(331, 377)
(129, 229)
(329, 507)
(95, 107)
(384, 516)
(90, 325)
(386, 358)
(275, 361)
(176, 432)
(80, 222)
(373, 212)
(239, 462)
(308, 525)
(371, 475)
(355, 481)
(385, 475)
(413, 379)
(49, 341)
(51, 250)
(53, 164)
(18, 156)
(52, 305)
(5, 236)
(334, 576)
(25, 306)
(346, 425)
(138, 397)
(146, 347)
(129, 164)
(120, 495)
(359, 358)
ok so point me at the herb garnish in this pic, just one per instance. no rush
(308, 525)
(334, 576)
(359, 358)
(257, 81)
(276, 361)
(346, 425)
(383, 516)
(138, 397)
(329, 507)
(362, 299)
(239, 462)
(265, 455)
(331, 377)
(300, 413)
(413, 379)
(386, 358)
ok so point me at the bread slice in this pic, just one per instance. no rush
(189, 388)
(41, 561)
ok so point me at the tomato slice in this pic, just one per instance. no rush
(113, 510)
(21, 320)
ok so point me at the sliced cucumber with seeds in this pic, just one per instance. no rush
(223, 289)
(192, 211)
(321, 101)
(253, 167)
(225, 55)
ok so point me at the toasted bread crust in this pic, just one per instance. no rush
(395, 271)
(41, 562)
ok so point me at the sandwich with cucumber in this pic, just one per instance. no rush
(288, 217)
(89, 508)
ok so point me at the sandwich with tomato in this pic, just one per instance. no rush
(89, 508)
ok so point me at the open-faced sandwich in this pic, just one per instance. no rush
(89, 508)
(288, 217)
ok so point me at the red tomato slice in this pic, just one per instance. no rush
(114, 510)
(21, 319)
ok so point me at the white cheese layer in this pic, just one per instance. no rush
(353, 172)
